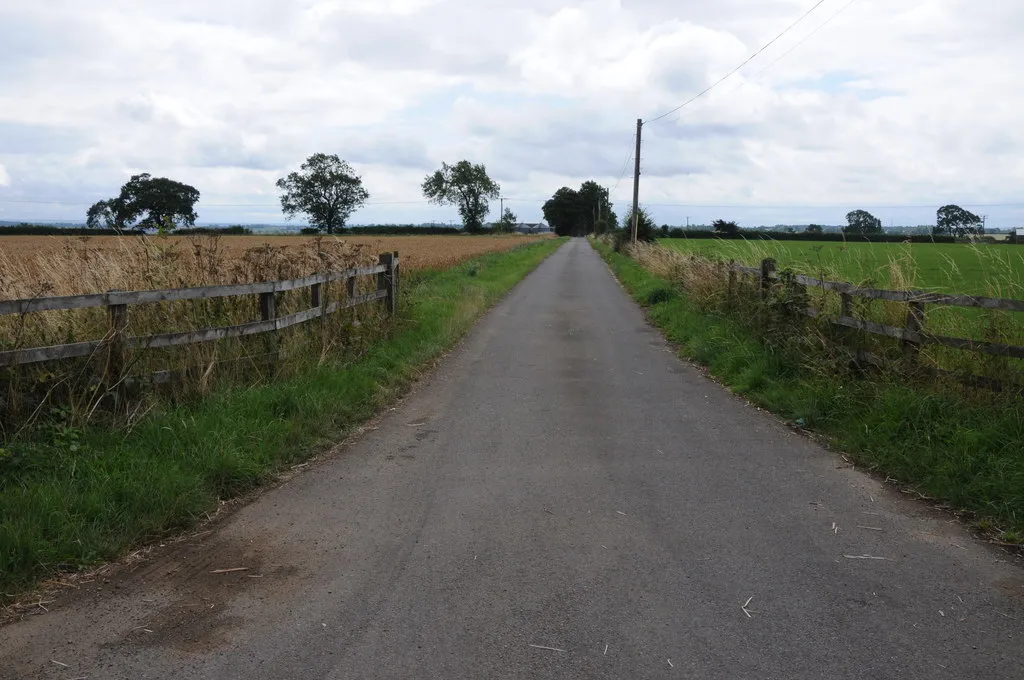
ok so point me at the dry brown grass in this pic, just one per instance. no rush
(68, 265)
(36, 266)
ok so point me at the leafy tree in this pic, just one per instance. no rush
(107, 214)
(464, 185)
(508, 222)
(580, 212)
(594, 207)
(326, 189)
(664, 231)
(147, 202)
(954, 220)
(725, 228)
(862, 222)
(646, 230)
(814, 229)
(563, 213)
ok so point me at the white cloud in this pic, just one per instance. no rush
(886, 106)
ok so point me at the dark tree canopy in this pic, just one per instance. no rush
(149, 203)
(572, 212)
(862, 222)
(106, 214)
(954, 220)
(326, 189)
(466, 186)
(562, 211)
(725, 228)
(646, 229)
(815, 229)
(596, 214)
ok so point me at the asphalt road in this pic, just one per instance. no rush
(562, 499)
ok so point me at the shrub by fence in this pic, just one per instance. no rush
(928, 336)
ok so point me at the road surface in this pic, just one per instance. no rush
(562, 499)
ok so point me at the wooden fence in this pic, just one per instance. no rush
(913, 334)
(117, 342)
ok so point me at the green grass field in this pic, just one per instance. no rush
(982, 269)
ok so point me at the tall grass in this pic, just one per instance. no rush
(706, 280)
(75, 391)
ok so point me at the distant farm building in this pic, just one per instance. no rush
(532, 228)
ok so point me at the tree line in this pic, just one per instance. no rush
(325, 189)
(950, 220)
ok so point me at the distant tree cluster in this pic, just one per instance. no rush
(955, 221)
(578, 212)
(327, 191)
(723, 227)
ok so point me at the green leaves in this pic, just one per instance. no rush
(862, 222)
(326, 189)
(586, 211)
(466, 186)
(153, 202)
(956, 221)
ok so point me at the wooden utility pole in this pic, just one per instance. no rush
(636, 181)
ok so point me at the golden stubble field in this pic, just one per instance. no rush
(68, 265)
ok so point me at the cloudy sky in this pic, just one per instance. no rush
(898, 106)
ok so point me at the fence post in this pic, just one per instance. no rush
(316, 295)
(394, 282)
(268, 312)
(914, 323)
(350, 289)
(385, 281)
(767, 273)
(116, 347)
(730, 296)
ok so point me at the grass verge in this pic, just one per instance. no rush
(74, 497)
(964, 452)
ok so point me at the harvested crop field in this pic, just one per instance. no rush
(68, 265)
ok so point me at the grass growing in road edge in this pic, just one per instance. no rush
(80, 496)
(961, 452)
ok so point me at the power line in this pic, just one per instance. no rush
(791, 49)
(625, 164)
(744, 63)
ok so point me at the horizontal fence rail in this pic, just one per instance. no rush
(913, 335)
(141, 297)
(118, 303)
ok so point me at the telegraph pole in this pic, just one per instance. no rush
(501, 215)
(636, 180)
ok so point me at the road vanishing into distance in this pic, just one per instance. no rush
(562, 498)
